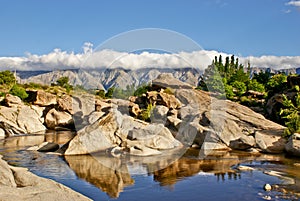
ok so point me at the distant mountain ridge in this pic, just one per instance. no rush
(104, 78)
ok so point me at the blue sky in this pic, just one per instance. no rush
(243, 27)
(240, 27)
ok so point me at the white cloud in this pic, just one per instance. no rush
(58, 59)
(293, 3)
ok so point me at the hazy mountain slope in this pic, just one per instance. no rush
(106, 78)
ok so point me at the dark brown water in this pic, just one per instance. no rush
(167, 177)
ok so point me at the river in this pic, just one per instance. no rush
(173, 176)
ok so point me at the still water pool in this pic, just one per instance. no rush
(103, 177)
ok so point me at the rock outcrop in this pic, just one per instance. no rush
(117, 130)
(56, 118)
(293, 145)
(19, 184)
(20, 120)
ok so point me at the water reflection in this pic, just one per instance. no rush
(112, 174)
(107, 178)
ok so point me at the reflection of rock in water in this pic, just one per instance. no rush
(186, 167)
(111, 178)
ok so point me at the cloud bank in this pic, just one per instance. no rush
(58, 59)
(294, 3)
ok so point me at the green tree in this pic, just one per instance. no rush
(63, 81)
(110, 92)
(212, 80)
(141, 90)
(256, 86)
(290, 113)
(240, 87)
(277, 83)
(19, 91)
(7, 78)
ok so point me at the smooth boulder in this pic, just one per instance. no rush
(293, 145)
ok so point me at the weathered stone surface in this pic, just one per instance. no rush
(6, 175)
(94, 116)
(102, 106)
(242, 143)
(229, 121)
(161, 98)
(140, 150)
(44, 147)
(11, 100)
(56, 118)
(95, 137)
(270, 141)
(20, 184)
(65, 103)
(154, 136)
(159, 114)
(115, 129)
(2, 133)
(293, 145)
(49, 147)
(20, 120)
(42, 98)
(166, 80)
(29, 120)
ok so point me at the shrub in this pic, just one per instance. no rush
(141, 90)
(291, 115)
(240, 87)
(169, 91)
(7, 77)
(256, 86)
(145, 114)
(19, 91)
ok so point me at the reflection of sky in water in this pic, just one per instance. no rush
(186, 179)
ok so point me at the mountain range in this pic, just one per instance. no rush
(104, 78)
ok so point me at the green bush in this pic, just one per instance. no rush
(240, 87)
(7, 78)
(169, 91)
(145, 114)
(19, 91)
(141, 90)
(291, 115)
(256, 86)
(100, 93)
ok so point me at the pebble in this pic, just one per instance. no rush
(267, 187)
(267, 197)
(245, 168)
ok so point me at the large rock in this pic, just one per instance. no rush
(21, 120)
(6, 175)
(270, 141)
(56, 118)
(118, 130)
(166, 80)
(243, 143)
(29, 120)
(159, 114)
(42, 98)
(65, 103)
(20, 184)
(154, 136)
(161, 98)
(98, 136)
(293, 145)
(12, 101)
(228, 120)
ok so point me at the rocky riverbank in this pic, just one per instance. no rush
(18, 183)
(179, 115)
